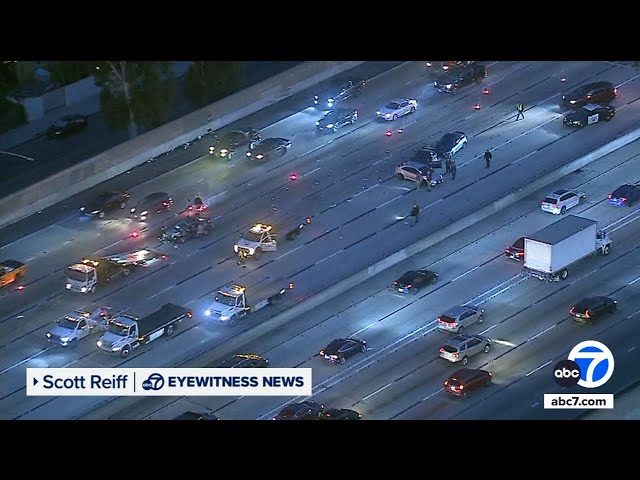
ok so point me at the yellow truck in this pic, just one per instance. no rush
(11, 271)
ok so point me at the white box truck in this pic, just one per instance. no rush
(550, 252)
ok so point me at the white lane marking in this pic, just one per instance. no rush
(67, 242)
(25, 360)
(162, 291)
(29, 259)
(465, 273)
(290, 251)
(366, 190)
(631, 349)
(314, 149)
(539, 368)
(488, 329)
(627, 81)
(499, 292)
(387, 203)
(535, 405)
(327, 258)
(379, 161)
(376, 392)
(623, 225)
(527, 155)
(541, 333)
(432, 395)
(620, 220)
(515, 277)
(312, 171)
(633, 315)
(108, 246)
(211, 199)
(634, 281)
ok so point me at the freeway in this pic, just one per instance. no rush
(346, 184)
(401, 375)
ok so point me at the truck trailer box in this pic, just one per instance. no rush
(560, 244)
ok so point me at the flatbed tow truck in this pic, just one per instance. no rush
(231, 303)
(84, 277)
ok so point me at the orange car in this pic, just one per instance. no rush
(11, 271)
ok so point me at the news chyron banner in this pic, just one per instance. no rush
(168, 382)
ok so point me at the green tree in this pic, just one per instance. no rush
(135, 94)
(207, 82)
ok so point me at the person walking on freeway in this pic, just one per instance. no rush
(487, 158)
(414, 213)
(454, 169)
(520, 109)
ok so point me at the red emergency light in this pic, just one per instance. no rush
(293, 177)
(486, 91)
(388, 133)
(476, 106)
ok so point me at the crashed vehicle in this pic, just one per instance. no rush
(191, 227)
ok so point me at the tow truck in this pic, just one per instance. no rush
(128, 332)
(259, 238)
(84, 277)
(11, 271)
(231, 303)
(77, 325)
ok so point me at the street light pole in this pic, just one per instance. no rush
(17, 155)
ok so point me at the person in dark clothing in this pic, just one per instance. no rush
(520, 109)
(487, 158)
(447, 165)
(454, 169)
(429, 177)
(414, 213)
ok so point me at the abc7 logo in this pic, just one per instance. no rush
(154, 382)
(590, 364)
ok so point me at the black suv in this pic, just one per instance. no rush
(106, 202)
(516, 251)
(245, 360)
(336, 119)
(340, 414)
(414, 280)
(67, 125)
(228, 144)
(342, 348)
(592, 307)
(152, 204)
(339, 92)
(271, 147)
(598, 92)
(461, 76)
(307, 410)
(589, 114)
(428, 156)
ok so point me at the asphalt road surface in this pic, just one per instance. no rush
(346, 184)
(401, 374)
(51, 156)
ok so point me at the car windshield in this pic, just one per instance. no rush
(550, 200)
(393, 105)
(77, 276)
(447, 319)
(66, 323)
(226, 299)
(119, 330)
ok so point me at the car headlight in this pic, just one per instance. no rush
(132, 210)
(235, 248)
(224, 151)
(260, 157)
(224, 317)
(252, 250)
(435, 84)
(330, 125)
(317, 124)
(330, 100)
(83, 289)
(48, 335)
(388, 115)
(448, 85)
(572, 101)
(99, 343)
(116, 349)
(65, 339)
(68, 286)
(211, 150)
(82, 209)
(378, 113)
(207, 312)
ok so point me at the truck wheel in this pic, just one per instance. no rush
(125, 352)
(257, 253)
(606, 249)
(93, 289)
(168, 331)
(126, 272)
(564, 274)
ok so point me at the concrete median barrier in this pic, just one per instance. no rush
(112, 408)
(154, 143)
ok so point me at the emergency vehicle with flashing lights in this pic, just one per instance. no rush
(259, 238)
(79, 324)
(231, 303)
(11, 271)
(84, 277)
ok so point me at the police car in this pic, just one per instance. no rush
(590, 113)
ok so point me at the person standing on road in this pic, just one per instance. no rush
(414, 213)
(447, 164)
(454, 169)
(487, 158)
(429, 177)
(520, 109)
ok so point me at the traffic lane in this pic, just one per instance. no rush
(53, 157)
(533, 334)
(176, 158)
(456, 243)
(524, 398)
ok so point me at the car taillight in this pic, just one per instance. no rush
(615, 91)
(586, 314)
(454, 324)
(442, 350)
(519, 254)
(572, 311)
(456, 355)
(189, 314)
(623, 199)
(409, 286)
(446, 382)
(461, 387)
(610, 196)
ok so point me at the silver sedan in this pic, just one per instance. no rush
(397, 108)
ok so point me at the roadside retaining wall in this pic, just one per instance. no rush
(132, 153)
(111, 407)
